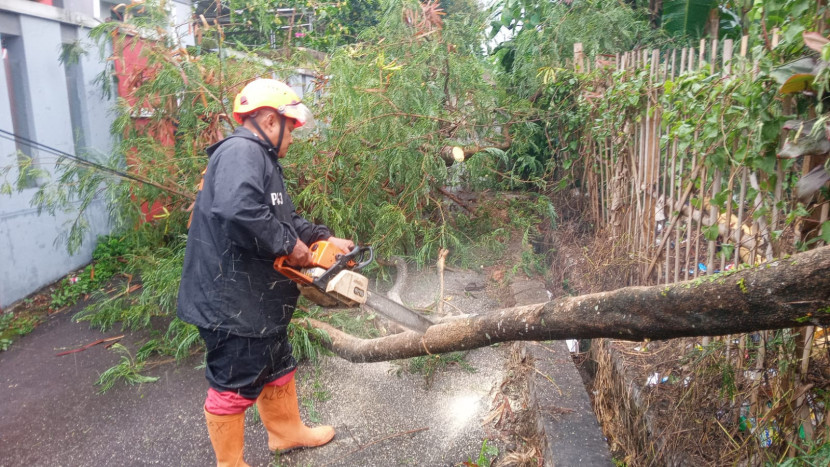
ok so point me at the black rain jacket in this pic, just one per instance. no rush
(243, 219)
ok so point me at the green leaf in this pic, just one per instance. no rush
(711, 233)
(686, 17)
(801, 66)
(727, 250)
(767, 164)
(792, 32)
(507, 17)
(800, 7)
(535, 19)
(825, 232)
(720, 198)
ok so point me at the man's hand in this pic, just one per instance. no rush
(300, 256)
(342, 243)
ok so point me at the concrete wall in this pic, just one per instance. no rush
(33, 253)
(59, 106)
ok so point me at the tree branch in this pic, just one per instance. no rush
(785, 293)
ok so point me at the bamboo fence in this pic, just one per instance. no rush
(643, 188)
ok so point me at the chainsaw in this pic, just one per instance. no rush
(332, 280)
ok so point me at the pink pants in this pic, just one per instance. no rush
(231, 403)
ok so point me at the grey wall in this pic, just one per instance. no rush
(31, 253)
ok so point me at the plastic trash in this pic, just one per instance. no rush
(573, 345)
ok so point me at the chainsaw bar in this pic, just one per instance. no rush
(398, 313)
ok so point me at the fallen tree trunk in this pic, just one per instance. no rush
(789, 292)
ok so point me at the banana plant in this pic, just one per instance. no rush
(687, 17)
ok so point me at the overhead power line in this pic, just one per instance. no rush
(136, 178)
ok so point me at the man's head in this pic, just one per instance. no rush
(272, 109)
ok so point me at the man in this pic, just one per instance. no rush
(242, 220)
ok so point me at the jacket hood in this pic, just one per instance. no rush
(239, 132)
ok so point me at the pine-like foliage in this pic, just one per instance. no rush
(392, 106)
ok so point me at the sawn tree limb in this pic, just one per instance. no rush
(789, 292)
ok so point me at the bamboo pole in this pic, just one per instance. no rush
(703, 177)
(596, 185)
(730, 189)
(779, 169)
(690, 65)
(638, 189)
(741, 206)
(646, 185)
(673, 64)
(706, 339)
(727, 57)
(713, 56)
(714, 213)
(579, 59)
(726, 71)
(630, 212)
(704, 174)
(666, 195)
(610, 174)
(600, 190)
(674, 175)
(689, 227)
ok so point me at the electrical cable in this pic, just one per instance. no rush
(17, 138)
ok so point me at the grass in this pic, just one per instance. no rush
(318, 393)
(430, 365)
(485, 456)
(106, 259)
(15, 325)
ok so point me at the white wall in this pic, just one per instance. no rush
(31, 253)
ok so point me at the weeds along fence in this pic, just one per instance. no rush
(681, 152)
(687, 211)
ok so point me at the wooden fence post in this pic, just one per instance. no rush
(579, 59)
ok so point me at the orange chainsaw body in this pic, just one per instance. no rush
(331, 279)
(324, 255)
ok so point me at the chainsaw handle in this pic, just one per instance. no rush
(358, 255)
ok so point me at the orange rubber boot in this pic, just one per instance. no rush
(280, 414)
(227, 435)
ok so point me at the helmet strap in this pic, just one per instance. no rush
(282, 133)
(272, 148)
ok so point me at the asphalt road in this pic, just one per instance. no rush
(51, 413)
